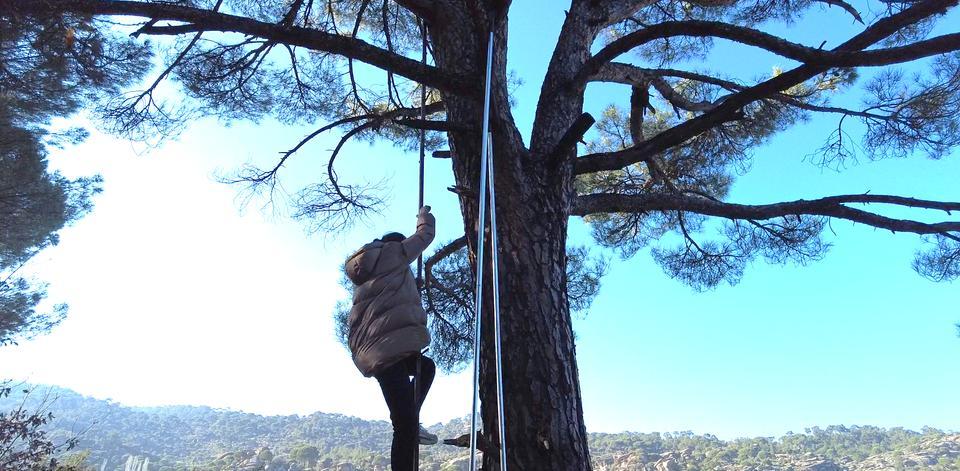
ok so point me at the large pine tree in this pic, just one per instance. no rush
(662, 164)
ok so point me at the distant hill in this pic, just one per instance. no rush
(179, 438)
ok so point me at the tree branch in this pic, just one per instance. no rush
(618, 72)
(629, 74)
(202, 19)
(425, 9)
(634, 76)
(609, 12)
(444, 252)
(769, 42)
(166, 30)
(432, 282)
(256, 177)
(696, 28)
(832, 206)
(846, 6)
(432, 125)
(574, 133)
(615, 11)
(733, 104)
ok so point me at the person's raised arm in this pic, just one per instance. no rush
(414, 245)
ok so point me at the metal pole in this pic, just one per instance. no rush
(416, 412)
(481, 227)
(423, 117)
(495, 256)
(416, 376)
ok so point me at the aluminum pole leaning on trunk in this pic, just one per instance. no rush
(481, 228)
(495, 267)
(486, 166)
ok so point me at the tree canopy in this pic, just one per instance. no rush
(656, 174)
(662, 164)
(49, 67)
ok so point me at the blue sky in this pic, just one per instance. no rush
(180, 297)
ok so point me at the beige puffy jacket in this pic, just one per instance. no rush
(387, 322)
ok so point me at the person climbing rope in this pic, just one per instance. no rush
(388, 331)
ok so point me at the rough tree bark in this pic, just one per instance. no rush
(543, 412)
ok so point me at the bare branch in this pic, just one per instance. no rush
(574, 133)
(324, 207)
(393, 95)
(263, 176)
(833, 206)
(640, 79)
(143, 107)
(350, 71)
(846, 6)
(940, 262)
(697, 28)
(332, 174)
(151, 29)
(627, 74)
(678, 100)
(291, 14)
(769, 42)
(208, 20)
(329, 205)
(432, 125)
(374, 119)
(617, 72)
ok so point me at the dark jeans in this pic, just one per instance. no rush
(398, 392)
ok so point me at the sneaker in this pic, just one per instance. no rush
(427, 438)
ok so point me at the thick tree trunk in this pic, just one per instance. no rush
(544, 417)
(543, 408)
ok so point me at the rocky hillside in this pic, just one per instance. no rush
(932, 450)
(120, 438)
(940, 452)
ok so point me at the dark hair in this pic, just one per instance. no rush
(392, 237)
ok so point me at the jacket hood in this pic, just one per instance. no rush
(361, 265)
